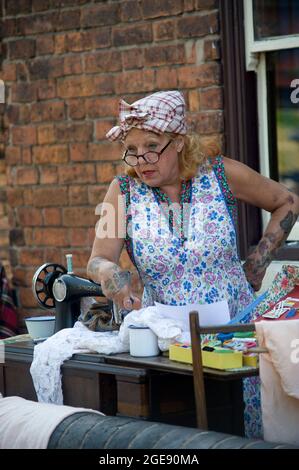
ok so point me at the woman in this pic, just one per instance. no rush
(187, 254)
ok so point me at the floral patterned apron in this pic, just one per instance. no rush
(193, 260)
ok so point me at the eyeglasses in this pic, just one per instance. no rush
(148, 157)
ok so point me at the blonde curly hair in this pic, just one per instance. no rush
(194, 153)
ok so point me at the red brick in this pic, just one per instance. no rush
(14, 197)
(31, 256)
(29, 216)
(72, 87)
(199, 76)
(105, 151)
(13, 155)
(207, 122)
(25, 175)
(193, 99)
(78, 195)
(4, 225)
(102, 107)
(51, 154)
(52, 216)
(22, 72)
(188, 5)
(105, 172)
(24, 135)
(60, 46)
(211, 98)
(23, 92)
(40, 5)
(161, 55)
(45, 45)
(77, 173)
(22, 277)
(28, 196)
(134, 82)
(166, 78)
(130, 11)
(102, 127)
(132, 35)
(133, 59)
(194, 26)
(48, 197)
(72, 65)
(45, 134)
(82, 40)
(39, 23)
(108, 61)
(17, 237)
(9, 28)
(96, 194)
(21, 49)
(156, 8)
(17, 7)
(73, 132)
(101, 15)
(69, 19)
(79, 236)
(46, 89)
(51, 237)
(79, 152)
(8, 72)
(48, 175)
(79, 217)
(164, 30)
(46, 68)
(48, 111)
(54, 255)
(26, 155)
(76, 108)
(206, 4)
(212, 49)
(192, 50)
(26, 297)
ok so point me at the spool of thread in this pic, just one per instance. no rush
(69, 263)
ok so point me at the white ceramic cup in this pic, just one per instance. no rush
(143, 341)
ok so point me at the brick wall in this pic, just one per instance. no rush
(65, 64)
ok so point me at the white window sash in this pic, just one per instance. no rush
(256, 60)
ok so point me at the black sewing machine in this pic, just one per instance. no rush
(56, 287)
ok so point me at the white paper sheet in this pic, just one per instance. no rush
(216, 313)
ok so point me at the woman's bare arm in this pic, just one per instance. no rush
(103, 264)
(253, 188)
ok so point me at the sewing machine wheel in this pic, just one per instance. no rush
(42, 283)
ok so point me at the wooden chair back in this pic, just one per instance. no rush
(199, 388)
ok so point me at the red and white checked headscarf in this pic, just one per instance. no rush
(160, 112)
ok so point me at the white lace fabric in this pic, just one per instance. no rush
(50, 355)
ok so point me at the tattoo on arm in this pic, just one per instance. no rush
(116, 279)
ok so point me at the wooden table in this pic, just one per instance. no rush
(152, 388)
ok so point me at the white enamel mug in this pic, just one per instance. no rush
(143, 341)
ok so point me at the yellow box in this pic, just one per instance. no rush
(214, 359)
(250, 359)
(181, 353)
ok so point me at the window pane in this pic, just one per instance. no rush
(283, 115)
(272, 18)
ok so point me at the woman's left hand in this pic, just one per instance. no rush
(253, 275)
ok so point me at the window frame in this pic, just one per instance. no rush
(246, 137)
